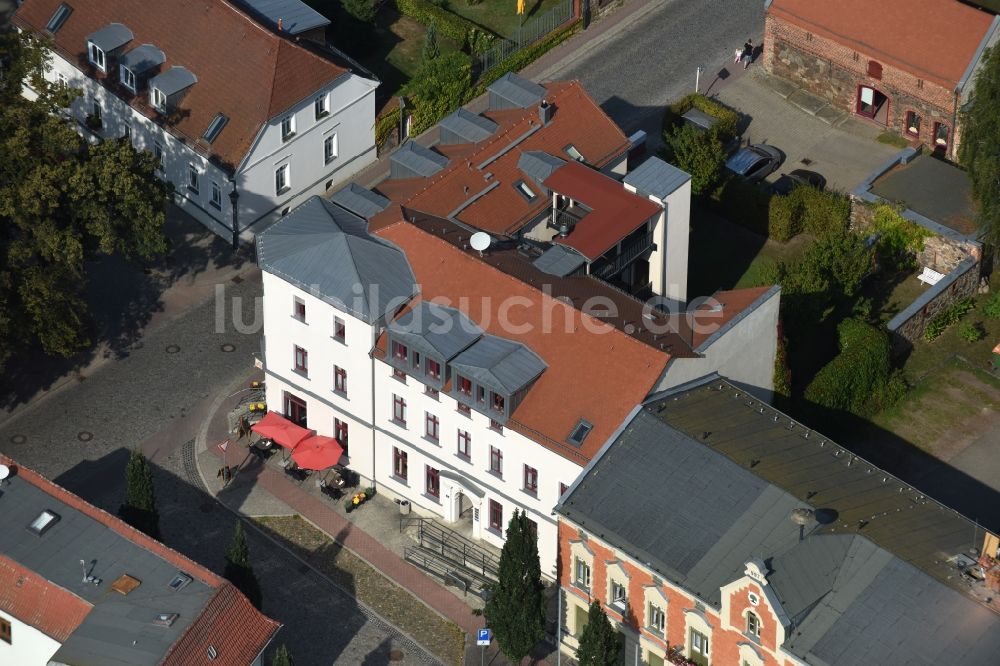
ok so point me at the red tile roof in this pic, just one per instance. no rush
(54, 611)
(615, 212)
(244, 70)
(605, 371)
(576, 120)
(246, 629)
(934, 40)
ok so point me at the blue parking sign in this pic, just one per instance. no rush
(485, 636)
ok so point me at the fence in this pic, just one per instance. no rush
(526, 35)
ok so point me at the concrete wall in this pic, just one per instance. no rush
(668, 263)
(743, 353)
(834, 71)
(28, 646)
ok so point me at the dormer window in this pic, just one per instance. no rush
(465, 386)
(400, 352)
(498, 403)
(157, 99)
(58, 18)
(287, 128)
(127, 77)
(433, 369)
(96, 56)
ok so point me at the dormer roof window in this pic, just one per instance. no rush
(58, 18)
(157, 99)
(96, 56)
(106, 41)
(127, 77)
(171, 82)
(135, 65)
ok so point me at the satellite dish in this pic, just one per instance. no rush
(4, 472)
(480, 241)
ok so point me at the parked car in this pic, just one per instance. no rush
(755, 162)
(789, 181)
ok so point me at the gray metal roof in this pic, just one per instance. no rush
(110, 37)
(934, 188)
(465, 127)
(869, 583)
(516, 90)
(538, 165)
(559, 260)
(501, 364)
(435, 330)
(119, 630)
(296, 16)
(656, 178)
(327, 251)
(413, 160)
(360, 201)
(142, 58)
(173, 80)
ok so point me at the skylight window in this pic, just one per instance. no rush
(574, 153)
(180, 581)
(165, 619)
(58, 18)
(580, 432)
(45, 520)
(215, 127)
(524, 190)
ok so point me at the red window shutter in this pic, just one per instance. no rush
(875, 70)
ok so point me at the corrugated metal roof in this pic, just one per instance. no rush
(500, 364)
(110, 37)
(656, 178)
(119, 628)
(173, 80)
(327, 251)
(559, 261)
(413, 160)
(517, 90)
(142, 58)
(467, 127)
(296, 16)
(360, 201)
(538, 165)
(435, 330)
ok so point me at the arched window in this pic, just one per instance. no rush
(753, 624)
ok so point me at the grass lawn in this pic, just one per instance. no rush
(442, 637)
(500, 16)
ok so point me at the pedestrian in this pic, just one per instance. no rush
(747, 53)
(737, 56)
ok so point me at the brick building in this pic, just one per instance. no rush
(715, 530)
(909, 71)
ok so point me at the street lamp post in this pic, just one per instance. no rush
(234, 198)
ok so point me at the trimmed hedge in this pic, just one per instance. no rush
(725, 129)
(743, 203)
(808, 209)
(450, 25)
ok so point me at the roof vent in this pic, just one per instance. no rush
(545, 112)
(165, 619)
(125, 584)
(212, 653)
(802, 517)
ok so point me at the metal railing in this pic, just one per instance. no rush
(526, 34)
(457, 550)
(434, 564)
(628, 254)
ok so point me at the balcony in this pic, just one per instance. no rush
(611, 266)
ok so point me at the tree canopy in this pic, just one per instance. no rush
(979, 150)
(600, 643)
(63, 203)
(238, 570)
(139, 507)
(515, 610)
(439, 88)
(699, 153)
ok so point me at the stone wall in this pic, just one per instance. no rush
(908, 326)
(834, 71)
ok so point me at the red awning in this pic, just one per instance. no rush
(280, 430)
(317, 452)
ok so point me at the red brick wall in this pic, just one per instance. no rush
(724, 643)
(834, 71)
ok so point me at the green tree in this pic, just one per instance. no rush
(282, 657)
(63, 203)
(515, 610)
(600, 643)
(431, 47)
(438, 88)
(698, 153)
(238, 568)
(139, 508)
(363, 10)
(979, 150)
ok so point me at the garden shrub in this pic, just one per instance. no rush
(992, 307)
(698, 153)
(449, 25)
(438, 88)
(385, 125)
(971, 332)
(742, 203)
(784, 218)
(900, 239)
(947, 317)
(823, 212)
(363, 10)
(725, 129)
(522, 59)
(860, 379)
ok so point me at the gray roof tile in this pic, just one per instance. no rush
(559, 260)
(657, 178)
(501, 364)
(173, 80)
(110, 37)
(142, 58)
(516, 90)
(435, 330)
(466, 127)
(415, 161)
(360, 201)
(296, 16)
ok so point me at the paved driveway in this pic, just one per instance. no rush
(846, 153)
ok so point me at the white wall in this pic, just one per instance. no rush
(28, 645)
(744, 354)
(668, 263)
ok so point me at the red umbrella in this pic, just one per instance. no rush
(280, 430)
(317, 452)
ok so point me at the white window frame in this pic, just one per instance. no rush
(101, 62)
(158, 153)
(321, 106)
(284, 173)
(127, 77)
(618, 602)
(127, 129)
(653, 613)
(192, 179)
(290, 121)
(756, 619)
(216, 200)
(62, 80)
(581, 565)
(157, 99)
(330, 155)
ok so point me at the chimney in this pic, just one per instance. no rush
(280, 28)
(545, 112)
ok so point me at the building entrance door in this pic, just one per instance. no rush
(872, 104)
(295, 409)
